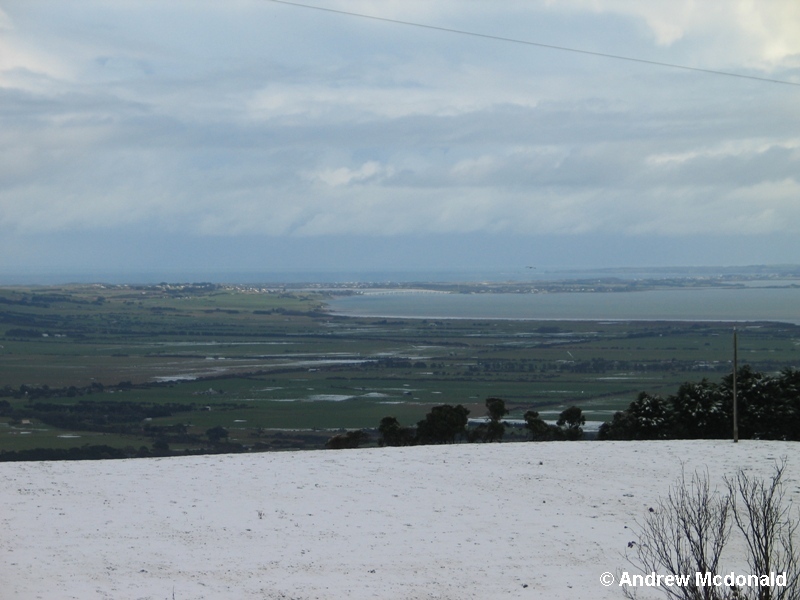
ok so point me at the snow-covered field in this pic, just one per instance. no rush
(535, 520)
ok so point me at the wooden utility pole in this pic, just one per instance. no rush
(735, 406)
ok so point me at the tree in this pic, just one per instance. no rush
(442, 425)
(539, 430)
(646, 418)
(496, 408)
(351, 439)
(494, 429)
(764, 410)
(619, 428)
(393, 434)
(789, 401)
(535, 424)
(699, 411)
(571, 421)
(217, 434)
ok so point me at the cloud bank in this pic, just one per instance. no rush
(261, 119)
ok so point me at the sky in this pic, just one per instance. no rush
(197, 137)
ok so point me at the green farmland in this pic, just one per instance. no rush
(157, 366)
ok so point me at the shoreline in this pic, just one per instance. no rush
(599, 320)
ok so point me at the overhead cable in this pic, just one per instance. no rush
(537, 44)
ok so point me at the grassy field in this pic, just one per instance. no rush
(270, 364)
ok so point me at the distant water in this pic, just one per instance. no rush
(683, 304)
(500, 275)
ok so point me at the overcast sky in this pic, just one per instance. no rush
(249, 135)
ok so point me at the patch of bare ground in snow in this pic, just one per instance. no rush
(536, 520)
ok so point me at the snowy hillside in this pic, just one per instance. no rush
(535, 520)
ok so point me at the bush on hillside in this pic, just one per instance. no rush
(689, 533)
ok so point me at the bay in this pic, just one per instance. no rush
(681, 304)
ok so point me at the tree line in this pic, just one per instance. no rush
(448, 424)
(768, 408)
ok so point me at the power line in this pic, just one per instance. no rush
(537, 44)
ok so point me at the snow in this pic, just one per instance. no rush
(446, 522)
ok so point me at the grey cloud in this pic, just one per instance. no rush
(201, 121)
